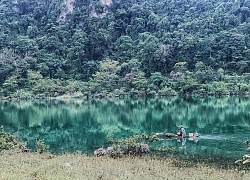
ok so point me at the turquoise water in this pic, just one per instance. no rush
(84, 124)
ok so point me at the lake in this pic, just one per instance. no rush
(84, 124)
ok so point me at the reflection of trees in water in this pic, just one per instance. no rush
(85, 122)
(65, 139)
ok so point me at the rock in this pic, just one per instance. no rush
(144, 148)
(67, 164)
(100, 152)
(109, 150)
(24, 148)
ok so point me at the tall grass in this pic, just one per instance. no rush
(77, 166)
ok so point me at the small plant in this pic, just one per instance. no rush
(41, 147)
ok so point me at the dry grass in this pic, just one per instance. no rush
(33, 166)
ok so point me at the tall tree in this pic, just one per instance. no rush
(107, 77)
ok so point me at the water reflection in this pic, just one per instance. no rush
(84, 124)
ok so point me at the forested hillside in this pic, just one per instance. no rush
(132, 47)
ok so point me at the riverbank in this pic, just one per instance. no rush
(29, 166)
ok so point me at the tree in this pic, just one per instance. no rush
(33, 78)
(76, 51)
(10, 85)
(47, 87)
(123, 49)
(179, 71)
(204, 74)
(23, 45)
(107, 77)
(157, 81)
(147, 46)
(12, 64)
(140, 84)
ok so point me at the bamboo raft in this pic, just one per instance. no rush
(172, 135)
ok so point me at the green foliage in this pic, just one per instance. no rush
(196, 46)
(218, 88)
(203, 73)
(139, 83)
(167, 91)
(124, 48)
(130, 144)
(10, 84)
(73, 86)
(9, 63)
(157, 81)
(41, 147)
(48, 87)
(8, 141)
(23, 45)
(107, 77)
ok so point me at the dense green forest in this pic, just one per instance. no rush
(132, 47)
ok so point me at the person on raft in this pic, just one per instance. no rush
(181, 132)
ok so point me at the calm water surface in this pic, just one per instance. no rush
(84, 125)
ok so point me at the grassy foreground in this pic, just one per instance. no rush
(34, 166)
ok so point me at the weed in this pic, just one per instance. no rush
(41, 147)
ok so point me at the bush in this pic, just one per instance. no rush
(41, 147)
(8, 141)
(136, 144)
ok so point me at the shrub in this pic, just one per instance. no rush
(8, 141)
(41, 147)
(136, 144)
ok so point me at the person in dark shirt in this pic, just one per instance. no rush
(182, 131)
